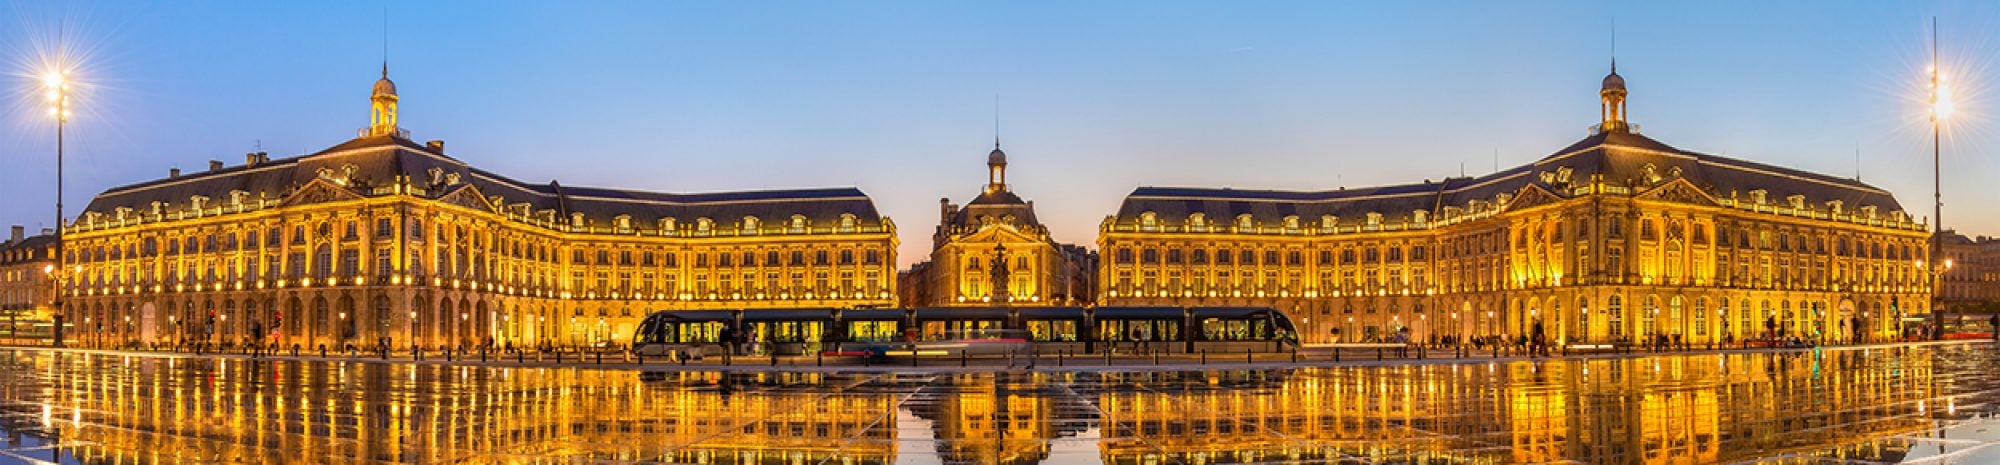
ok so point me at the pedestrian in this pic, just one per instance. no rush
(1539, 346)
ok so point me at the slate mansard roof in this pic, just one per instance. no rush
(368, 165)
(1622, 158)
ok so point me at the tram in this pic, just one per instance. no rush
(1956, 325)
(1046, 330)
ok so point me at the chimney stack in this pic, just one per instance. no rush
(436, 146)
(214, 165)
(14, 234)
(250, 159)
(173, 172)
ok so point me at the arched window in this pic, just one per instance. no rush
(1701, 316)
(323, 261)
(1581, 330)
(1614, 312)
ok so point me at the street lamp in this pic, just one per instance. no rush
(55, 86)
(1941, 108)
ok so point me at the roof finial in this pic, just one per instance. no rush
(996, 121)
(1614, 45)
(385, 42)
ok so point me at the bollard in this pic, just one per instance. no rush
(558, 356)
(1336, 354)
(1246, 357)
(1378, 354)
(600, 357)
(1204, 356)
(961, 358)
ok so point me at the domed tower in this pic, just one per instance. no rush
(996, 167)
(1612, 97)
(382, 116)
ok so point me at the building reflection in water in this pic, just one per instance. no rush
(1804, 406)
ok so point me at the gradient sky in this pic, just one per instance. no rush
(1097, 97)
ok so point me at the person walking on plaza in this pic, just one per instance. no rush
(1539, 345)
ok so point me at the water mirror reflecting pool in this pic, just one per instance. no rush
(1881, 405)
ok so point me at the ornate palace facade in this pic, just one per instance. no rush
(25, 263)
(1614, 238)
(993, 251)
(381, 239)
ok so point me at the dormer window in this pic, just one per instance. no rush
(1798, 202)
(1243, 222)
(847, 222)
(1149, 221)
(198, 202)
(1834, 206)
(576, 220)
(1292, 223)
(1198, 220)
(1420, 217)
(703, 225)
(1374, 219)
(749, 225)
(624, 222)
(1328, 222)
(798, 224)
(1759, 197)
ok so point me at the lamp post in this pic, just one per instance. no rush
(55, 84)
(1941, 108)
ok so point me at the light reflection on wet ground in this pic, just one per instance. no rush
(1883, 405)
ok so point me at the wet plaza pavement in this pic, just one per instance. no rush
(1931, 404)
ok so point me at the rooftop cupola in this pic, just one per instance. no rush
(996, 167)
(1612, 99)
(382, 113)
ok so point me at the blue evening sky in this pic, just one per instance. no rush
(1097, 97)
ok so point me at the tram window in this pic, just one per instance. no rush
(1217, 329)
(873, 331)
(786, 331)
(689, 333)
(1139, 330)
(1057, 330)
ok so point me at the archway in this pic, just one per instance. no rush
(1855, 325)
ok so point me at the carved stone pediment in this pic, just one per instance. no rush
(468, 197)
(1679, 191)
(319, 191)
(1531, 196)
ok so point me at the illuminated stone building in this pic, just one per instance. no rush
(381, 238)
(1972, 274)
(1612, 239)
(993, 251)
(25, 264)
